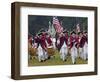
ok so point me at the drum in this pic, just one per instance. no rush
(32, 51)
(50, 51)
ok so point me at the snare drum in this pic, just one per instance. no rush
(32, 51)
(50, 51)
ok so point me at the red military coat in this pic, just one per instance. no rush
(82, 41)
(36, 39)
(73, 40)
(43, 42)
(49, 41)
(62, 40)
(30, 40)
(66, 39)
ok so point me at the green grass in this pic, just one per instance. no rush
(54, 61)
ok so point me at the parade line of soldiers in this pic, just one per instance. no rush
(44, 46)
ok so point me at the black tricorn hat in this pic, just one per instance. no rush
(73, 32)
(81, 32)
(65, 31)
(85, 31)
(42, 30)
(39, 34)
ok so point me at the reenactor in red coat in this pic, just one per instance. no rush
(83, 40)
(31, 47)
(63, 38)
(43, 41)
(85, 47)
(80, 44)
(50, 46)
(63, 45)
(40, 50)
(73, 47)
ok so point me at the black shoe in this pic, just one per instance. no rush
(41, 60)
(65, 60)
(49, 57)
(74, 62)
(44, 60)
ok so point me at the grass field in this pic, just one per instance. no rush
(55, 61)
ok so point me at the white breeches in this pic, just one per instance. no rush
(74, 54)
(83, 52)
(45, 55)
(63, 53)
(40, 54)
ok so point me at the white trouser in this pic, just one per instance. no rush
(45, 54)
(81, 53)
(63, 53)
(85, 53)
(74, 54)
(40, 55)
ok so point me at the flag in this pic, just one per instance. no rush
(57, 25)
(51, 30)
(77, 28)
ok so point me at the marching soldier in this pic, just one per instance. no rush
(73, 47)
(32, 47)
(50, 47)
(63, 37)
(63, 41)
(85, 48)
(83, 45)
(44, 44)
(40, 50)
